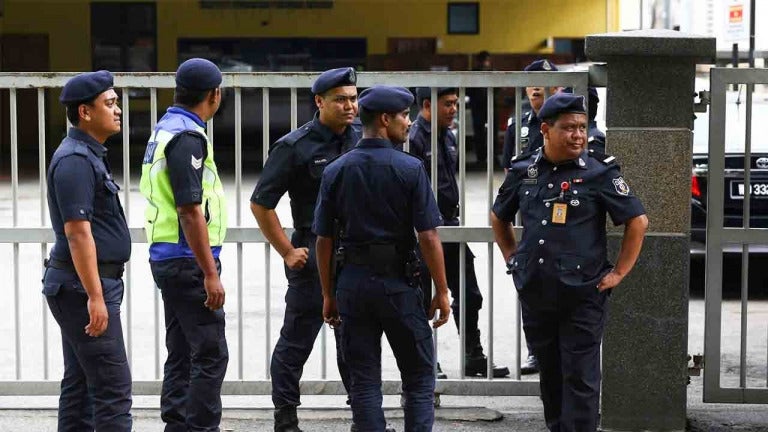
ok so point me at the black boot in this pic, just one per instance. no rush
(531, 365)
(440, 374)
(286, 420)
(476, 364)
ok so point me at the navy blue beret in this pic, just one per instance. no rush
(198, 74)
(385, 99)
(591, 91)
(562, 102)
(334, 78)
(540, 66)
(426, 93)
(86, 86)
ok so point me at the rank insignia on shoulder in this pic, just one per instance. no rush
(609, 159)
(622, 188)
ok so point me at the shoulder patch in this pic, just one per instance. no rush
(602, 157)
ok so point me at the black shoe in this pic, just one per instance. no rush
(286, 420)
(440, 374)
(477, 365)
(531, 365)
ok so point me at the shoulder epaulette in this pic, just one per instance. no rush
(602, 157)
(295, 135)
(522, 156)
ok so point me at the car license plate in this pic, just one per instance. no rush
(759, 189)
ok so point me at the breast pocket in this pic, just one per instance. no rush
(108, 199)
(317, 166)
(528, 197)
(582, 204)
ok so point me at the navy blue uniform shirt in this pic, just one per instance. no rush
(592, 185)
(81, 187)
(296, 163)
(378, 194)
(419, 138)
(530, 137)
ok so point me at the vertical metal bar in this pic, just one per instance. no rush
(491, 137)
(43, 209)
(294, 109)
(462, 245)
(15, 197)
(518, 313)
(128, 294)
(156, 296)
(238, 204)
(433, 178)
(267, 248)
(714, 257)
(745, 247)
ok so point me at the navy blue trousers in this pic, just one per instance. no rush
(370, 306)
(301, 324)
(197, 349)
(96, 387)
(564, 326)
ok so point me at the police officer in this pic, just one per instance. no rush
(378, 195)
(560, 268)
(295, 165)
(530, 124)
(186, 221)
(419, 139)
(82, 280)
(595, 137)
(478, 100)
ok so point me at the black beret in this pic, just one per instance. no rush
(198, 74)
(426, 93)
(86, 86)
(591, 102)
(334, 78)
(385, 99)
(540, 66)
(562, 102)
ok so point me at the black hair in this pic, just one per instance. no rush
(73, 110)
(368, 117)
(189, 97)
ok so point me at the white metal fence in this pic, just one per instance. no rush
(30, 363)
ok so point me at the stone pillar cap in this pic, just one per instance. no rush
(651, 43)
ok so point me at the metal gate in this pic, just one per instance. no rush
(27, 357)
(746, 240)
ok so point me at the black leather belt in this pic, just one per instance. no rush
(106, 270)
(384, 259)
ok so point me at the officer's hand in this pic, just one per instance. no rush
(439, 303)
(215, 293)
(609, 281)
(296, 258)
(331, 312)
(99, 317)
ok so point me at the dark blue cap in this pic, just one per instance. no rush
(334, 78)
(592, 101)
(198, 74)
(426, 93)
(540, 66)
(562, 102)
(385, 99)
(86, 86)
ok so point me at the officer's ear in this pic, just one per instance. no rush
(545, 129)
(84, 112)
(318, 101)
(426, 104)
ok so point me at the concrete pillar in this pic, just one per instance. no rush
(649, 116)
